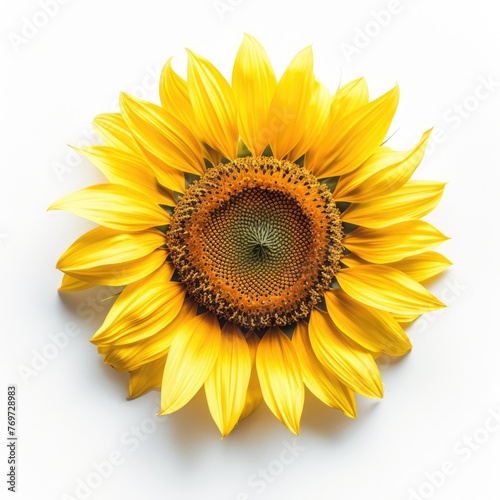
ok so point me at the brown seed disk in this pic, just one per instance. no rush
(256, 241)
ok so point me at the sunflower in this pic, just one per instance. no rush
(265, 238)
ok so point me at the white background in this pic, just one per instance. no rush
(440, 401)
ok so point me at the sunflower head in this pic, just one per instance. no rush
(256, 241)
(236, 212)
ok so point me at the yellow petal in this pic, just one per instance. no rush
(419, 267)
(405, 318)
(161, 275)
(352, 364)
(356, 136)
(226, 386)
(373, 329)
(128, 169)
(387, 289)
(422, 266)
(254, 84)
(382, 173)
(317, 113)
(351, 260)
(289, 107)
(70, 284)
(212, 155)
(139, 314)
(320, 381)
(121, 273)
(164, 140)
(175, 99)
(146, 377)
(174, 96)
(114, 206)
(414, 200)
(254, 393)
(393, 243)
(191, 358)
(280, 377)
(130, 357)
(347, 99)
(214, 105)
(103, 246)
(113, 131)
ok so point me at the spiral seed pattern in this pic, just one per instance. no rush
(256, 241)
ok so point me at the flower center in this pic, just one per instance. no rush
(256, 241)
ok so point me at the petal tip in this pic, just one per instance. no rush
(294, 428)
(352, 414)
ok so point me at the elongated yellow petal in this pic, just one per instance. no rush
(226, 386)
(114, 206)
(414, 200)
(121, 273)
(387, 289)
(419, 267)
(320, 381)
(317, 113)
(129, 169)
(351, 260)
(164, 140)
(214, 105)
(347, 99)
(191, 358)
(175, 99)
(146, 377)
(174, 96)
(70, 284)
(161, 275)
(114, 132)
(393, 243)
(254, 84)
(422, 266)
(357, 136)
(129, 357)
(254, 393)
(289, 107)
(103, 246)
(382, 173)
(405, 318)
(352, 364)
(373, 329)
(139, 315)
(280, 377)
